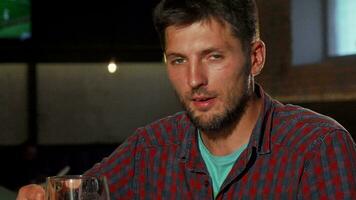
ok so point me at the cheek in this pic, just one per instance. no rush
(176, 80)
(222, 79)
(230, 84)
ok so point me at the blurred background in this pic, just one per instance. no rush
(61, 104)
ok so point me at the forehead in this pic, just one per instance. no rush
(200, 34)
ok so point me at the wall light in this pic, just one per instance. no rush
(112, 67)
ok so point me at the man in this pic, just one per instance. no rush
(233, 141)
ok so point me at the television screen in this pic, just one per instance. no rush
(15, 19)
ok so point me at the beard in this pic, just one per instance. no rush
(234, 109)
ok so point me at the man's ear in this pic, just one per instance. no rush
(258, 56)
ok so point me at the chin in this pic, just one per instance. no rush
(206, 120)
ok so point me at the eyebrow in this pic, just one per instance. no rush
(203, 53)
(209, 50)
(174, 55)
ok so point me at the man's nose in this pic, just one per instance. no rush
(197, 76)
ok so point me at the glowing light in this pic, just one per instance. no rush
(164, 58)
(112, 67)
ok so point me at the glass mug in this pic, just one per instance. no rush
(77, 187)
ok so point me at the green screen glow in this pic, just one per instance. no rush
(15, 19)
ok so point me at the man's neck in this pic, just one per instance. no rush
(236, 136)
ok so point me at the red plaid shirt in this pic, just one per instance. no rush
(293, 153)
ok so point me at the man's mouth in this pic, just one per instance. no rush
(203, 103)
(202, 99)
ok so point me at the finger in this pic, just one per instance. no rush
(40, 196)
(31, 192)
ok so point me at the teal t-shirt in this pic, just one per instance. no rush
(218, 166)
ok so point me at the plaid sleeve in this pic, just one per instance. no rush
(330, 168)
(118, 168)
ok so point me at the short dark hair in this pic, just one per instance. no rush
(242, 15)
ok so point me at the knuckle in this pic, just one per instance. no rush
(30, 192)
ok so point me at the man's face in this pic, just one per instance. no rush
(208, 69)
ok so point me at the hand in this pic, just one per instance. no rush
(31, 192)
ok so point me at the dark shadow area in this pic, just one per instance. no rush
(31, 164)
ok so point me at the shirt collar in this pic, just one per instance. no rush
(261, 134)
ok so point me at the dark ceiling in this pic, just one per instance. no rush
(87, 31)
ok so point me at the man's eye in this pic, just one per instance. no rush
(215, 57)
(178, 61)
